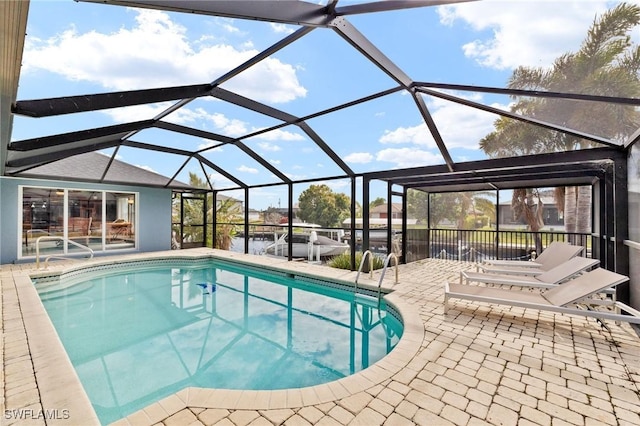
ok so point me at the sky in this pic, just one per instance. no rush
(75, 48)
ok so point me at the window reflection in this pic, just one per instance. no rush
(42, 215)
(98, 219)
(120, 214)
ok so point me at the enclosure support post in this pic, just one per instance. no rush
(246, 220)
(352, 230)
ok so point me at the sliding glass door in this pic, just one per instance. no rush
(100, 220)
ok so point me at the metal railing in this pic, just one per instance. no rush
(57, 238)
(477, 245)
(366, 255)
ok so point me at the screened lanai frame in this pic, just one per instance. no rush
(601, 167)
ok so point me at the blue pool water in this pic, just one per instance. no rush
(138, 335)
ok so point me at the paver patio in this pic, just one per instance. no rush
(478, 364)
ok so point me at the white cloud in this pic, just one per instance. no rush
(246, 169)
(523, 32)
(276, 162)
(476, 123)
(155, 52)
(418, 135)
(295, 177)
(281, 28)
(220, 181)
(359, 158)
(210, 144)
(448, 117)
(337, 185)
(280, 135)
(408, 157)
(266, 146)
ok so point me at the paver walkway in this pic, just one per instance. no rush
(478, 364)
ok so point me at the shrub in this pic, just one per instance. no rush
(343, 261)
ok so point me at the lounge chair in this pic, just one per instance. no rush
(572, 297)
(546, 279)
(555, 254)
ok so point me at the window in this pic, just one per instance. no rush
(101, 220)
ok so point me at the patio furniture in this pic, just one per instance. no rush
(550, 278)
(118, 229)
(555, 254)
(573, 297)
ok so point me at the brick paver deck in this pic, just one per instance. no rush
(478, 364)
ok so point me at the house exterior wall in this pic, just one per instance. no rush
(550, 216)
(153, 224)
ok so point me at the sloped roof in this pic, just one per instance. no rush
(382, 208)
(96, 167)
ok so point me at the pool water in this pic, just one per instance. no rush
(137, 336)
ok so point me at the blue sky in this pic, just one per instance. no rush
(77, 48)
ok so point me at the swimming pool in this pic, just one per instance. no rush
(137, 335)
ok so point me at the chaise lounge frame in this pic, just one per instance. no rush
(554, 255)
(574, 297)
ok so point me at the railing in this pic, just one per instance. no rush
(366, 255)
(477, 245)
(384, 270)
(57, 238)
(369, 255)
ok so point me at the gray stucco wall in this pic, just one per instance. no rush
(154, 214)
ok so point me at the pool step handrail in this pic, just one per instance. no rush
(364, 258)
(384, 270)
(57, 238)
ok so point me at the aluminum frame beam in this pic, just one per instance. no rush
(519, 117)
(88, 136)
(284, 12)
(362, 44)
(74, 104)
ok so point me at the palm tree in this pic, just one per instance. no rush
(607, 64)
(227, 211)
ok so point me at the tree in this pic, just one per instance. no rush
(227, 211)
(607, 64)
(377, 202)
(319, 204)
(417, 204)
(453, 206)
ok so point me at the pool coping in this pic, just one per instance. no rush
(59, 385)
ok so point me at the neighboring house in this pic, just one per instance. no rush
(254, 215)
(380, 211)
(550, 213)
(132, 212)
(284, 213)
(378, 217)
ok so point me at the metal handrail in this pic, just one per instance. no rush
(364, 257)
(384, 270)
(386, 263)
(64, 240)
